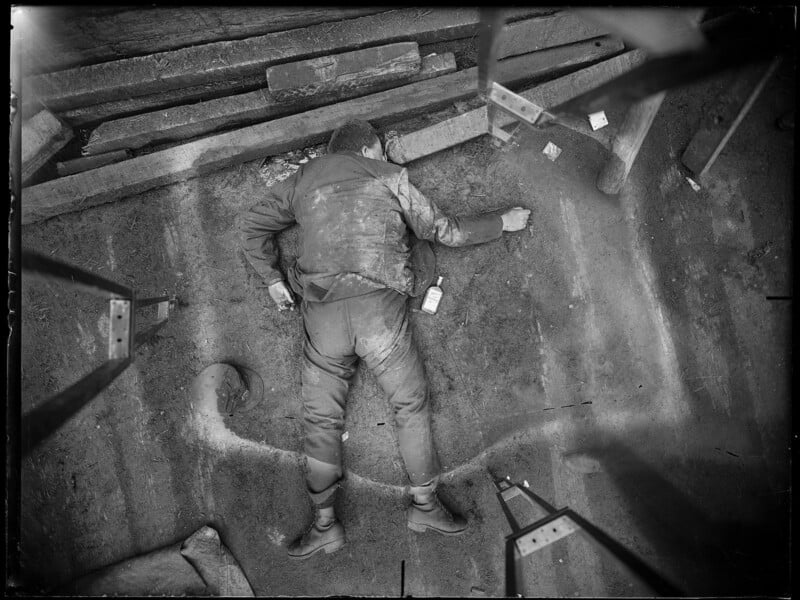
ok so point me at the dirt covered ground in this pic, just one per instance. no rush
(620, 355)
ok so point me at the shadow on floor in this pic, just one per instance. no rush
(703, 553)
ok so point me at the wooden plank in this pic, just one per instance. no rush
(193, 120)
(474, 123)
(42, 136)
(142, 75)
(85, 116)
(142, 173)
(722, 121)
(359, 68)
(78, 165)
(518, 38)
(73, 37)
(659, 31)
(542, 32)
(626, 144)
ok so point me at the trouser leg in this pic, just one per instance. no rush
(328, 367)
(383, 339)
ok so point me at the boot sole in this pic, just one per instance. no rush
(422, 528)
(329, 548)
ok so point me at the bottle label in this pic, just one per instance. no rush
(431, 300)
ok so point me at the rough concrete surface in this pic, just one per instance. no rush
(619, 355)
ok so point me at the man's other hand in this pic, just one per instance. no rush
(281, 295)
(515, 219)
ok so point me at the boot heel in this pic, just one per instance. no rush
(419, 527)
(334, 546)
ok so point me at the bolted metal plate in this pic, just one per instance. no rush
(516, 105)
(119, 330)
(546, 535)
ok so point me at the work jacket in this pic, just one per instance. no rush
(354, 215)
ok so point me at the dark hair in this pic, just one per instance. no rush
(352, 136)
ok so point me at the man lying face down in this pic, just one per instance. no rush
(355, 210)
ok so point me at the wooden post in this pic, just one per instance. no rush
(627, 142)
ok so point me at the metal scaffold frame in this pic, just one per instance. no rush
(123, 340)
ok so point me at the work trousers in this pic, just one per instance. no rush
(375, 328)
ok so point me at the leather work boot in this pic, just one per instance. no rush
(324, 534)
(427, 511)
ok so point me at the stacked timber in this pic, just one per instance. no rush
(204, 104)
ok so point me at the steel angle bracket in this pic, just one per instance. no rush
(551, 530)
(521, 109)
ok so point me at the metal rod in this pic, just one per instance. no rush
(491, 24)
(402, 578)
(742, 113)
(541, 502)
(659, 74)
(511, 568)
(43, 265)
(39, 423)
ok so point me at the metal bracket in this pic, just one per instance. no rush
(119, 330)
(518, 107)
(546, 535)
(558, 525)
(521, 109)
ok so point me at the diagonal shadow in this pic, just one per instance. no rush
(702, 553)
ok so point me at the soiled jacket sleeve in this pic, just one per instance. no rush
(261, 225)
(428, 222)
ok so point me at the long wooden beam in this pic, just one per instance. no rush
(77, 165)
(192, 120)
(545, 31)
(474, 123)
(218, 61)
(87, 116)
(71, 37)
(519, 37)
(142, 173)
(723, 119)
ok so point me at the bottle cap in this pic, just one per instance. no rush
(438, 283)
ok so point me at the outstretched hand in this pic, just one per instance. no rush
(515, 219)
(281, 295)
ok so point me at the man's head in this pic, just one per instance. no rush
(357, 136)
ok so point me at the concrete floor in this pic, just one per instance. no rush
(620, 355)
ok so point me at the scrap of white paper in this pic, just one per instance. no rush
(345, 435)
(551, 151)
(693, 183)
(598, 120)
